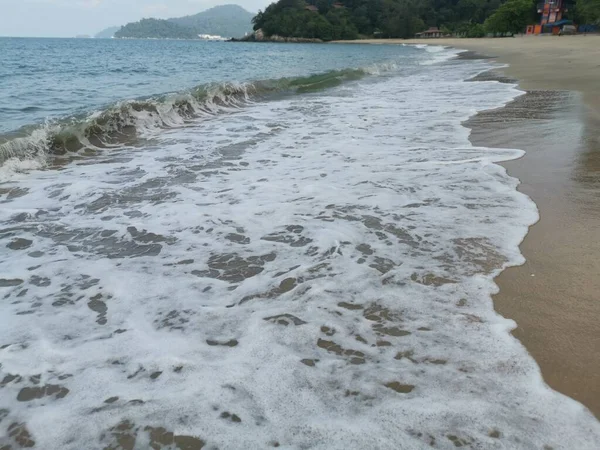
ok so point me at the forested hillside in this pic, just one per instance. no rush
(224, 20)
(388, 18)
(348, 19)
(156, 29)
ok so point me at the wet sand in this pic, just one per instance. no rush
(555, 296)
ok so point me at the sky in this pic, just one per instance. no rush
(68, 18)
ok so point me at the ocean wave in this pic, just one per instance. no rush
(122, 123)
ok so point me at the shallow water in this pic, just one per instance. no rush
(62, 96)
(309, 271)
(54, 78)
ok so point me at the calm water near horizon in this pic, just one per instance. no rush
(239, 246)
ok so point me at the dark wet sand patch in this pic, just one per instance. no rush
(229, 416)
(350, 306)
(21, 436)
(309, 362)
(229, 343)
(553, 297)
(431, 279)
(125, 435)
(98, 306)
(390, 331)
(459, 442)
(238, 238)
(28, 394)
(400, 387)
(285, 319)
(40, 281)
(174, 319)
(233, 268)
(291, 236)
(355, 356)
(10, 282)
(20, 244)
(12, 193)
(287, 285)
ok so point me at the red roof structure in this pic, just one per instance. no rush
(433, 32)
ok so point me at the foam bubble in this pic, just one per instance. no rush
(310, 272)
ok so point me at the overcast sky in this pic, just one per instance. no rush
(67, 18)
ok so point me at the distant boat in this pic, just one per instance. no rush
(211, 37)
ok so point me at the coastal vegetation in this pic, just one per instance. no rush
(511, 17)
(292, 18)
(588, 11)
(348, 19)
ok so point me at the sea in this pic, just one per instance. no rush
(247, 246)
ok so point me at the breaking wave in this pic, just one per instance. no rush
(122, 123)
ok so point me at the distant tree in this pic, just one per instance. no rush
(511, 17)
(589, 11)
(324, 6)
(402, 19)
(476, 30)
(362, 22)
(474, 10)
(342, 26)
(258, 20)
(320, 28)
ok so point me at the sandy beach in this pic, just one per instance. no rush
(549, 62)
(554, 297)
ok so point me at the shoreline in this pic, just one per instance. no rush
(536, 62)
(553, 296)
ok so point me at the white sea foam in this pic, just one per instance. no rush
(359, 222)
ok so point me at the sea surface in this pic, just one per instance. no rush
(247, 246)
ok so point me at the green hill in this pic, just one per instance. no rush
(226, 21)
(156, 29)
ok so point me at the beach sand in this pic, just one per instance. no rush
(555, 296)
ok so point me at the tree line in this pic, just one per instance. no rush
(588, 11)
(350, 19)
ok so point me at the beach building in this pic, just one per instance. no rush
(433, 32)
(552, 12)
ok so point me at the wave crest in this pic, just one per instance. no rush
(124, 122)
(119, 124)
